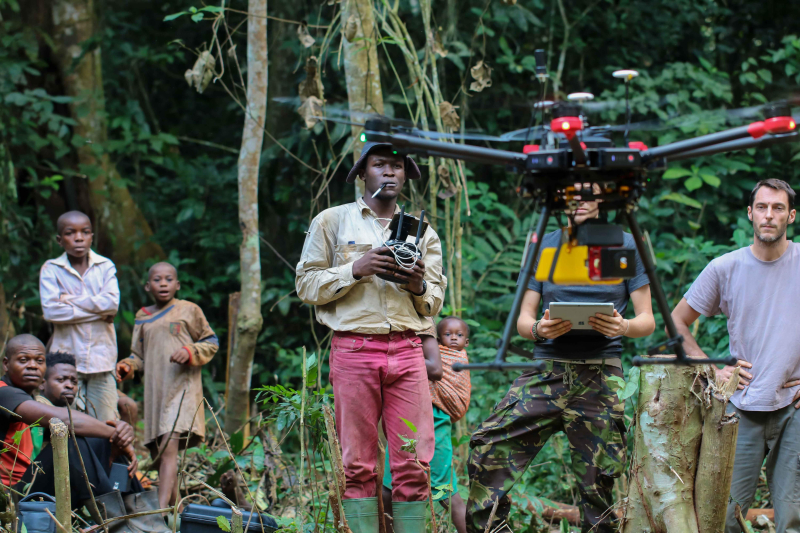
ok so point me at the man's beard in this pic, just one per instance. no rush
(768, 239)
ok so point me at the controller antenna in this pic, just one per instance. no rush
(400, 222)
(627, 76)
(419, 228)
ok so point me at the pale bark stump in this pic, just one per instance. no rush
(118, 221)
(59, 438)
(684, 446)
(361, 69)
(249, 320)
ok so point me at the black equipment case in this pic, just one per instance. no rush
(197, 518)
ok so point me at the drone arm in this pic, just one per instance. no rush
(732, 146)
(688, 145)
(775, 125)
(465, 152)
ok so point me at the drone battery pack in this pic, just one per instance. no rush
(547, 160)
(611, 263)
(571, 267)
(618, 158)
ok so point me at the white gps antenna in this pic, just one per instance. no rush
(580, 98)
(626, 75)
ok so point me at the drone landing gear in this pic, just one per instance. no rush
(673, 345)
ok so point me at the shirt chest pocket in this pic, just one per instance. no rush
(347, 253)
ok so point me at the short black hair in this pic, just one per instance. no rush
(70, 215)
(58, 358)
(161, 263)
(439, 326)
(778, 185)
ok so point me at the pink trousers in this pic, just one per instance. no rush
(384, 376)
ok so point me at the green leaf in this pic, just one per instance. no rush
(693, 183)
(765, 75)
(224, 524)
(711, 179)
(197, 17)
(675, 173)
(237, 442)
(213, 9)
(618, 383)
(631, 385)
(174, 16)
(682, 199)
(410, 424)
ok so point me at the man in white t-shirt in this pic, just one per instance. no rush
(758, 289)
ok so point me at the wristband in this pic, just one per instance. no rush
(627, 327)
(535, 333)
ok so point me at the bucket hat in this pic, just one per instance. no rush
(411, 168)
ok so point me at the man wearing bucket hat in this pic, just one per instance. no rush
(377, 365)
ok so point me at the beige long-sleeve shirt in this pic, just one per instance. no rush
(337, 238)
(77, 305)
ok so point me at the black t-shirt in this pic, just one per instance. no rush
(585, 344)
(10, 398)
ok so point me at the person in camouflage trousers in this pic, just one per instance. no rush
(575, 393)
(574, 398)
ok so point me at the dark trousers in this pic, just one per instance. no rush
(574, 398)
(96, 454)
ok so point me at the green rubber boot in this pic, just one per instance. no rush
(362, 514)
(409, 517)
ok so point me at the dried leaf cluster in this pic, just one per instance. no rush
(482, 74)
(201, 74)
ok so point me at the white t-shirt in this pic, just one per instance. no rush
(762, 302)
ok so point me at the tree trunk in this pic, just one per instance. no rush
(361, 69)
(59, 437)
(119, 224)
(684, 443)
(249, 319)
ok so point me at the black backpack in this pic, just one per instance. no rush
(34, 515)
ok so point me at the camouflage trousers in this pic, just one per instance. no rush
(574, 398)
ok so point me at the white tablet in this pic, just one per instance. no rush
(579, 312)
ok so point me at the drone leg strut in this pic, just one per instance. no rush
(674, 343)
(511, 322)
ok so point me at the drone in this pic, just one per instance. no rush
(575, 162)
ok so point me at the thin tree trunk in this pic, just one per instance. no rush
(59, 439)
(361, 69)
(681, 470)
(249, 320)
(119, 224)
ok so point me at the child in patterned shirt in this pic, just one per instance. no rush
(171, 342)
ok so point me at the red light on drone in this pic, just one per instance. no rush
(630, 158)
(773, 126)
(637, 145)
(566, 125)
(530, 148)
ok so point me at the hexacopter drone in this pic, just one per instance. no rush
(590, 168)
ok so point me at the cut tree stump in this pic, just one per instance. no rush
(684, 446)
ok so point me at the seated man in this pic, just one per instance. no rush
(99, 443)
